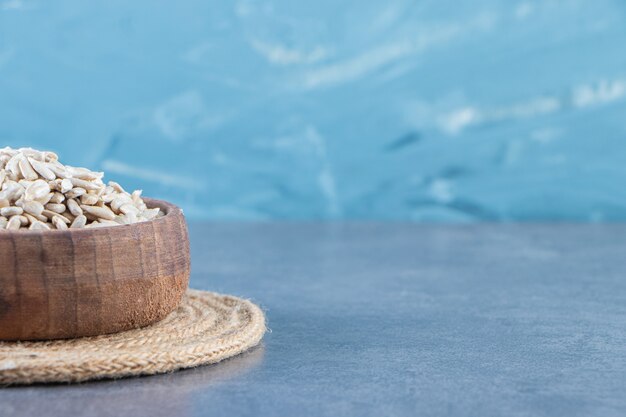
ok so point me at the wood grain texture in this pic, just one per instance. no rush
(85, 282)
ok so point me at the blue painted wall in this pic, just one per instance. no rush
(425, 110)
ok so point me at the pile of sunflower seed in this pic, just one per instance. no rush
(38, 192)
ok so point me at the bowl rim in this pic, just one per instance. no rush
(168, 208)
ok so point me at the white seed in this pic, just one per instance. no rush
(42, 169)
(89, 199)
(57, 198)
(79, 222)
(107, 198)
(14, 223)
(48, 214)
(83, 173)
(37, 225)
(128, 218)
(30, 217)
(87, 185)
(57, 208)
(119, 201)
(75, 192)
(99, 212)
(11, 211)
(58, 170)
(151, 213)
(11, 190)
(66, 185)
(33, 207)
(30, 152)
(73, 207)
(136, 196)
(58, 223)
(117, 187)
(50, 156)
(52, 215)
(96, 224)
(38, 192)
(128, 208)
(27, 170)
(12, 166)
(45, 199)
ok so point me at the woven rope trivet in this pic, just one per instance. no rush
(206, 328)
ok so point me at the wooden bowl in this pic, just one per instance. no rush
(82, 282)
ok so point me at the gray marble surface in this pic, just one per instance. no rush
(395, 319)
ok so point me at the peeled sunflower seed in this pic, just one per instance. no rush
(75, 192)
(98, 212)
(39, 193)
(89, 199)
(37, 225)
(79, 222)
(58, 223)
(73, 207)
(27, 170)
(36, 190)
(42, 169)
(87, 185)
(57, 208)
(57, 198)
(11, 211)
(66, 185)
(33, 207)
(14, 223)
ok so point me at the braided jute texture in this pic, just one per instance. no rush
(206, 328)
